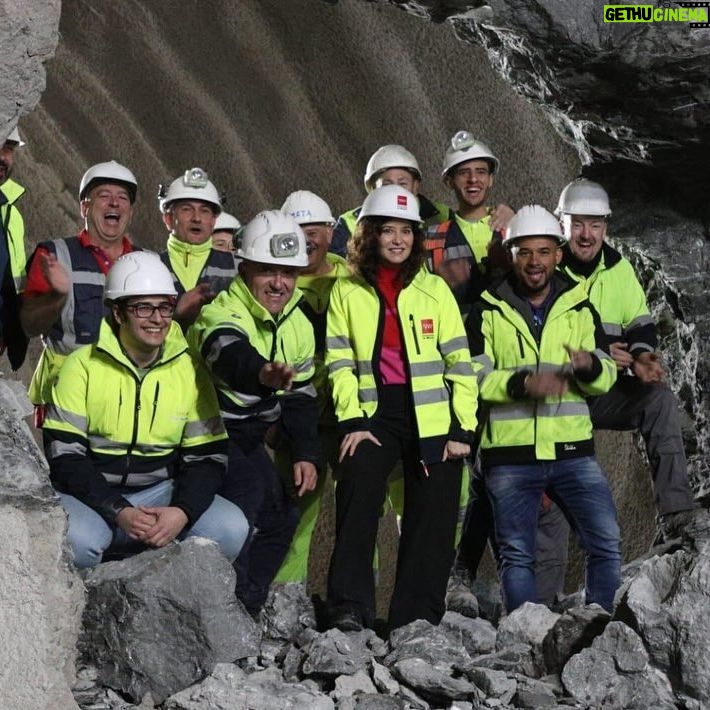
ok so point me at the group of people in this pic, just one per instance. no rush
(206, 390)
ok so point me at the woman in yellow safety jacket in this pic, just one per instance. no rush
(403, 388)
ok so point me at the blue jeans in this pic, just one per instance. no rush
(582, 491)
(90, 535)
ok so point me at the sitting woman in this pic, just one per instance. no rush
(403, 389)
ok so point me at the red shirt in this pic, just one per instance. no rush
(37, 283)
(392, 365)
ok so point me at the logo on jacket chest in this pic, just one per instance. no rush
(427, 327)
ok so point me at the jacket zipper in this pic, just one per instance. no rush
(134, 435)
(414, 333)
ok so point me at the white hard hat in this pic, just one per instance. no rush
(273, 237)
(111, 172)
(138, 273)
(14, 137)
(583, 197)
(533, 221)
(194, 184)
(226, 222)
(307, 208)
(391, 201)
(464, 147)
(386, 157)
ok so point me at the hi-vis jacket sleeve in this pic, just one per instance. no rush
(340, 361)
(458, 371)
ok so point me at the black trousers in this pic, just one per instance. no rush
(426, 546)
(254, 484)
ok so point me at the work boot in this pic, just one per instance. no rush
(674, 524)
(459, 597)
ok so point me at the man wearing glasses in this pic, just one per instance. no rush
(134, 438)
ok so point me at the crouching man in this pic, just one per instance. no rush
(134, 439)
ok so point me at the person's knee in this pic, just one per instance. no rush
(87, 544)
(233, 533)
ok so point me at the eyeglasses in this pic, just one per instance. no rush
(146, 310)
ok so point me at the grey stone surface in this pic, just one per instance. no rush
(383, 680)
(517, 658)
(335, 653)
(615, 673)
(160, 621)
(433, 681)
(29, 32)
(574, 630)
(533, 693)
(288, 610)
(41, 596)
(528, 624)
(669, 603)
(230, 687)
(347, 686)
(495, 684)
(432, 643)
(477, 635)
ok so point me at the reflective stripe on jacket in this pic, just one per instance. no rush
(236, 336)
(108, 426)
(503, 343)
(619, 298)
(441, 378)
(192, 264)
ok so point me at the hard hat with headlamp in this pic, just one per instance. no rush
(138, 273)
(391, 201)
(464, 147)
(533, 221)
(307, 208)
(273, 237)
(194, 184)
(14, 137)
(387, 157)
(110, 172)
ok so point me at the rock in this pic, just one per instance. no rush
(435, 644)
(346, 686)
(373, 702)
(335, 653)
(288, 610)
(433, 682)
(29, 33)
(535, 694)
(41, 595)
(669, 603)
(495, 684)
(292, 664)
(512, 659)
(574, 630)
(383, 680)
(477, 635)
(159, 621)
(615, 673)
(230, 687)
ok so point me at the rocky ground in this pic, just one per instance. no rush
(163, 630)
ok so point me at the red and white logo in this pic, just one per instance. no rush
(427, 326)
(401, 202)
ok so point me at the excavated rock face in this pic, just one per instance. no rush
(29, 32)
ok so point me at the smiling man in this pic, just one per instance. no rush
(190, 207)
(640, 399)
(145, 474)
(63, 298)
(539, 350)
(259, 347)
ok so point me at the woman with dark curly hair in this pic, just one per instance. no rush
(404, 389)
